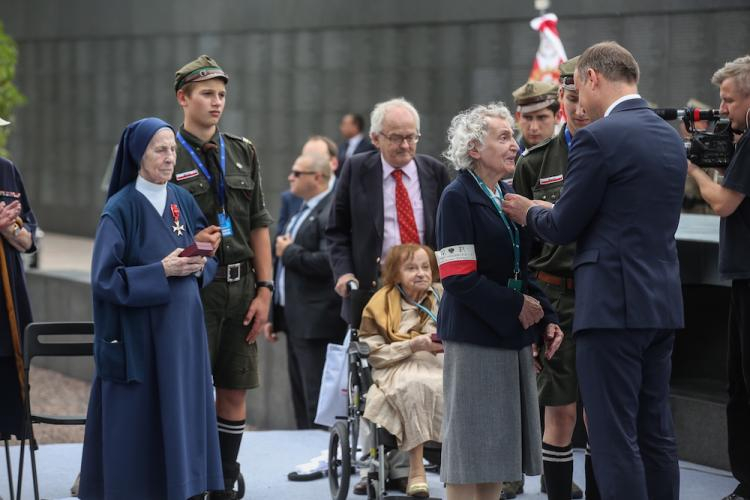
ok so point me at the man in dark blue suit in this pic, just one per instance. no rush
(621, 204)
(352, 127)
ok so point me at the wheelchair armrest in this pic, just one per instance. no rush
(360, 349)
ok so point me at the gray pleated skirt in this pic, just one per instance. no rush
(491, 429)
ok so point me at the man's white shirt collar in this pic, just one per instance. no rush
(621, 99)
(410, 169)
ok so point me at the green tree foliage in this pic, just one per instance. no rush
(10, 96)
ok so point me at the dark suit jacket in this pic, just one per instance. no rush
(290, 205)
(621, 202)
(312, 306)
(355, 228)
(363, 147)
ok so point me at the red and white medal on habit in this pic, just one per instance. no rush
(177, 228)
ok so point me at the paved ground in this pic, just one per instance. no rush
(266, 458)
(61, 252)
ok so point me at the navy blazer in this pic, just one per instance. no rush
(356, 223)
(621, 203)
(477, 305)
(312, 308)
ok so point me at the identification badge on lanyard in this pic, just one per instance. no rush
(515, 239)
(515, 284)
(225, 223)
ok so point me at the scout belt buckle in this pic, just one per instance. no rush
(234, 272)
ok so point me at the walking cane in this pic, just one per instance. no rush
(15, 340)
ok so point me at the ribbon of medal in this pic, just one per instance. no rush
(177, 227)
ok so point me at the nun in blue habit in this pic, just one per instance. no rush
(151, 428)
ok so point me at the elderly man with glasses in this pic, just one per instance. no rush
(383, 198)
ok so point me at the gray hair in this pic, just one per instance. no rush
(611, 60)
(318, 163)
(739, 69)
(378, 113)
(468, 130)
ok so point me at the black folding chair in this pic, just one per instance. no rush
(50, 340)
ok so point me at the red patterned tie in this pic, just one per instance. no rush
(407, 228)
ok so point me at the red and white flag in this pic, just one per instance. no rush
(550, 53)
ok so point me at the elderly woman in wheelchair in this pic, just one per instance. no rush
(398, 323)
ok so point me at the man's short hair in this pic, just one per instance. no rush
(380, 109)
(358, 120)
(611, 60)
(333, 149)
(739, 69)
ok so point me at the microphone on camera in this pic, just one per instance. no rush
(694, 114)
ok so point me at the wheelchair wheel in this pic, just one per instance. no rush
(339, 461)
(240, 486)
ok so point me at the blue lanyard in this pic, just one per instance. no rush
(199, 163)
(515, 238)
(420, 306)
(568, 137)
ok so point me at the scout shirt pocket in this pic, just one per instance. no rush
(548, 189)
(200, 188)
(239, 191)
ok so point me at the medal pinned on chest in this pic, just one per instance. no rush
(176, 227)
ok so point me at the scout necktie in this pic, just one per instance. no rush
(407, 228)
(211, 153)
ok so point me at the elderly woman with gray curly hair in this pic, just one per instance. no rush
(490, 316)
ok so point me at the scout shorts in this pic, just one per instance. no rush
(234, 362)
(558, 382)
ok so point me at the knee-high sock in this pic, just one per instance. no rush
(230, 438)
(558, 470)
(592, 490)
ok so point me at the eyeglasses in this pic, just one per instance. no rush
(297, 173)
(397, 139)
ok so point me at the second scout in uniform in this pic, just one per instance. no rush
(537, 112)
(540, 173)
(222, 173)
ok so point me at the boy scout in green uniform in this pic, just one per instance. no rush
(537, 112)
(540, 173)
(221, 171)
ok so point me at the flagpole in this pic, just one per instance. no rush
(541, 6)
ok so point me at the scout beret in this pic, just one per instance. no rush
(567, 68)
(533, 96)
(203, 68)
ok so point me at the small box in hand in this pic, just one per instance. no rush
(434, 337)
(198, 248)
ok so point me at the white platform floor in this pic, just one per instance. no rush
(268, 456)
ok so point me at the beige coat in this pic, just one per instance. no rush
(406, 397)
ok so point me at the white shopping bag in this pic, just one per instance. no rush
(333, 400)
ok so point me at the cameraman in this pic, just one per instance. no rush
(730, 201)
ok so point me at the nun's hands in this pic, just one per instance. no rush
(174, 265)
